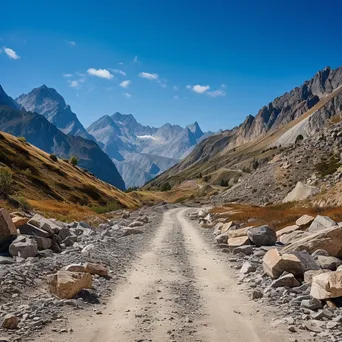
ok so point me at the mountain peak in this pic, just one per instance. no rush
(195, 129)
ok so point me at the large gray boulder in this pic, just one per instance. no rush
(328, 262)
(300, 192)
(30, 229)
(24, 247)
(320, 223)
(262, 236)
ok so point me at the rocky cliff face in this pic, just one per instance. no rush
(40, 132)
(49, 103)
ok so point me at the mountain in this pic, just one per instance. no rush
(5, 100)
(302, 112)
(48, 102)
(40, 132)
(142, 152)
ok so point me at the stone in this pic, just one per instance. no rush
(308, 275)
(19, 221)
(98, 269)
(64, 233)
(4, 260)
(202, 214)
(329, 239)
(287, 280)
(238, 232)
(42, 242)
(327, 285)
(222, 238)
(10, 322)
(136, 224)
(217, 228)
(247, 268)
(304, 221)
(131, 231)
(275, 264)
(24, 247)
(287, 230)
(239, 241)
(30, 229)
(257, 294)
(262, 236)
(87, 249)
(227, 226)
(319, 252)
(52, 227)
(66, 285)
(320, 223)
(328, 262)
(7, 227)
(247, 250)
(300, 192)
(143, 219)
(75, 268)
(292, 237)
(312, 304)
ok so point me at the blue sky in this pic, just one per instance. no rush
(211, 61)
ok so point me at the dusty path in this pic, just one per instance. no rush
(177, 291)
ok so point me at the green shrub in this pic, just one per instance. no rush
(73, 160)
(24, 204)
(22, 139)
(111, 206)
(6, 180)
(53, 157)
(166, 187)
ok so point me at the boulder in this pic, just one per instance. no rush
(247, 250)
(222, 238)
(52, 227)
(328, 262)
(42, 242)
(75, 268)
(300, 192)
(275, 264)
(10, 322)
(320, 223)
(19, 221)
(319, 252)
(98, 269)
(304, 221)
(202, 213)
(312, 304)
(7, 227)
(286, 280)
(239, 232)
(262, 236)
(291, 237)
(308, 275)
(287, 230)
(217, 228)
(24, 247)
(239, 241)
(329, 239)
(66, 285)
(30, 229)
(64, 233)
(327, 285)
(131, 231)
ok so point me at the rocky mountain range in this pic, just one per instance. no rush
(43, 134)
(142, 152)
(302, 112)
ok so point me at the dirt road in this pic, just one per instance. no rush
(179, 290)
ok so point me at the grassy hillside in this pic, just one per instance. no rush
(54, 186)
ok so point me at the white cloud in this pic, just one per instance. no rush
(135, 60)
(67, 75)
(147, 75)
(125, 84)
(102, 73)
(11, 53)
(200, 89)
(118, 71)
(71, 42)
(188, 87)
(73, 84)
(217, 93)
(128, 95)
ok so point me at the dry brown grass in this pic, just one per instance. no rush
(276, 216)
(56, 186)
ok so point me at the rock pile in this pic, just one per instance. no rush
(49, 267)
(302, 278)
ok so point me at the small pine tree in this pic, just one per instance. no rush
(73, 161)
